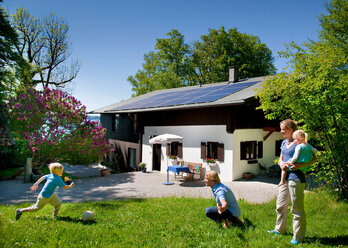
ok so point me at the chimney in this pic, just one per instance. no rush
(233, 74)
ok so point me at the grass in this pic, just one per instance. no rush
(169, 222)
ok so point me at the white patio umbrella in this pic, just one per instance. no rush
(165, 139)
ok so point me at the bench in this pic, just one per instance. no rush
(195, 169)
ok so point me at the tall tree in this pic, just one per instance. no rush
(315, 93)
(176, 64)
(165, 68)
(44, 43)
(8, 56)
(220, 49)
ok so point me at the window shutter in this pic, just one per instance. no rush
(203, 150)
(242, 150)
(180, 150)
(168, 149)
(113, 123)
(221, 152)
(260, 149)
(278, 144)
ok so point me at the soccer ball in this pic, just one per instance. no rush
(88, 216)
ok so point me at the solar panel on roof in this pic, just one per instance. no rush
(190, 96)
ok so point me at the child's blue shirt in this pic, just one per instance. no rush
(53, 181)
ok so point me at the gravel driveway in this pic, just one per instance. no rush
(92, 187)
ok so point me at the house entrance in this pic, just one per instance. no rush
(156, 157)
(132, 153)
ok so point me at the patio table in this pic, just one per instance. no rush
(178, 170)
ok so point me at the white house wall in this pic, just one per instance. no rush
(194, 135)
(269, 147)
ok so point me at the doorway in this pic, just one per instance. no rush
(132, 153)
(156, 157)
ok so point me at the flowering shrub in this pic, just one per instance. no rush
(54, 127)
(173, 156)
(210, 160)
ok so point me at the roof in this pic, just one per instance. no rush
(208, 95)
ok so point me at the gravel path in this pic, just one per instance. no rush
(92, 187)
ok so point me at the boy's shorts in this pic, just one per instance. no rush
(42, 201)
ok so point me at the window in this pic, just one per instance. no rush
(175, 149)
(278, 144)
(251, 150)
(213, 150)
(115, 122)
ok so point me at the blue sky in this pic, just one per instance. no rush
(110, 37)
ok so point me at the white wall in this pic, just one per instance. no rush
(242, 166)
(194, 135)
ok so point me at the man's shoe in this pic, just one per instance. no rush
(227, 224)
(294, 242)
(273, 232)
(18, 213)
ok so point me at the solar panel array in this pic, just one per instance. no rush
(190, 96)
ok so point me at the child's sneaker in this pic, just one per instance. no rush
(294, 242)
(273, 232)
(18, 213)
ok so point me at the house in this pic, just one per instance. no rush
(217, 121)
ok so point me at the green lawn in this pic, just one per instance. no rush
(169, 222)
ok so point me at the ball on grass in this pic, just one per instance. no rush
(88, 216)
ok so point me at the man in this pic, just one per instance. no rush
(227, 209)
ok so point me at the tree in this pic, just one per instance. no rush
(53, 126)
(44, 44)
(8, 57)
(315, 94)
(220, 49)
(164, 69)
(176, 64)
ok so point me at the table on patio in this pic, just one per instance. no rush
(178, 170)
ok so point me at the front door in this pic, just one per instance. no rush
(156, 157)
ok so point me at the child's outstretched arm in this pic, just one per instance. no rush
(34, 187)
(71, 185)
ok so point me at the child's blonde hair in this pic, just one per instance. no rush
(301, 133)
(55, 167)
(212, 175)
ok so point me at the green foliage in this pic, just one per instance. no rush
(169, 222)
(335, 24)
(14, 156)
(176, 64)
(315, 94)
(142, 165)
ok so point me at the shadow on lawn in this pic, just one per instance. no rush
(75, 220)
(331, 241)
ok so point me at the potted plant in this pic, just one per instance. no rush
(142, 166)
(174, 157)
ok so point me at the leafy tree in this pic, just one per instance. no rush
(176, 64)
(54, 127)
(164, 69)
(220, 49)
(8, 56)
(315, 93)
(44, 44)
